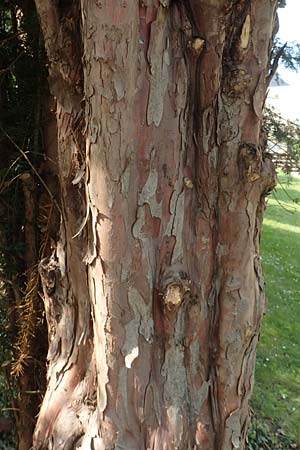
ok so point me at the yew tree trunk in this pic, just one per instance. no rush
(154, 292)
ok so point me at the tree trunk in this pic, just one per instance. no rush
(154, 292)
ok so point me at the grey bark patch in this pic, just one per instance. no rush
(125, 181)
(139, 223)
(112, 125)
(233, 430)
(143, 311)
(148, 194)
(202, 395)
(175, 390)
(259, 95)
(177, 228)
(159, 61)
(119, 86)
(141, 324)
(122, 388)
(146, 243)
(174, 371)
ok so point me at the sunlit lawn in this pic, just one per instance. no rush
(277, 390)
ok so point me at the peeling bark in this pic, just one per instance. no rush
(154, 292)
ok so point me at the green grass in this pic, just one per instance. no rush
(277, 391)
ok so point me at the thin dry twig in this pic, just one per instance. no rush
(32, 167)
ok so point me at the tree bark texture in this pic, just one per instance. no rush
(154, 292)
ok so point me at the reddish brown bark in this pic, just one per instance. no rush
(154, 293)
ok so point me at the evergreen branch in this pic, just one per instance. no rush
(275, 63)
(7, 172)
(286, 192)
(282, 206)
(32, 168)
(11, 38)
(7, 69)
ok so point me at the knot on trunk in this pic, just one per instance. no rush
(195, 46)
(173, 296)
(175, 287)
(250, 161)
